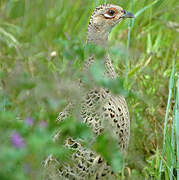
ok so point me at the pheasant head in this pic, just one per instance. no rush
(103, 19)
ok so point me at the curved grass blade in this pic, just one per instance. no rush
(177, 124)
(171, 82)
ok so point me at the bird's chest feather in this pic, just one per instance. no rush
(102, 109)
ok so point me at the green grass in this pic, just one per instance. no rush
(35, 84)
(177, 124)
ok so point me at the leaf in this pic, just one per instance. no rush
(73, 128)
(97, 71)
(134, 70)
(106, 146)
(115, 85)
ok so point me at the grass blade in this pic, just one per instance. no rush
(128, 43)
(171, 82)
(145, 8)
(10, 37)
(129, 33)
(177, 125)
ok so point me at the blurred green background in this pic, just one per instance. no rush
(42, 46)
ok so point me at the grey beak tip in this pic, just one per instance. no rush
(128, 15)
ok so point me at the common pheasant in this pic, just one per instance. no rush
(99, 104)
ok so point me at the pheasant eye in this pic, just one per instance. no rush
(111, 12)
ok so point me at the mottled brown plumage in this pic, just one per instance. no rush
(100, 107)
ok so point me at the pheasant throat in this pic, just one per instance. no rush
(97, 36)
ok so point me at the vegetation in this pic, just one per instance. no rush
(42, 50)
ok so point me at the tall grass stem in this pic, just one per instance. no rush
(177, 124)
(171, 82)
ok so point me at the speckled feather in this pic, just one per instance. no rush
(99, 108)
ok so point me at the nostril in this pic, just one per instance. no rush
(124, 11)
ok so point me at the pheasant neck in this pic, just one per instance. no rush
(96, 36)
(100, 38)
(109, 67)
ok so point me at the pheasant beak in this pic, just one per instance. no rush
(127, 15)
